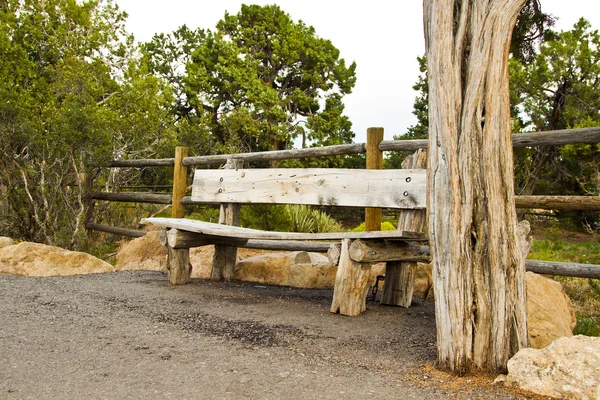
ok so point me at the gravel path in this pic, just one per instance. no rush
(127, 335)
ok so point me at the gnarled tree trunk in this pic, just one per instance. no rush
(478, 265)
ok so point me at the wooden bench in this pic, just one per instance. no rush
(230, 187)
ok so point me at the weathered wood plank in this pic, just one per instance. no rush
(351, 285)
(133, 197)
(238, 232)
(591, 203)
(318, 186)
(378, 250)
(278, 155)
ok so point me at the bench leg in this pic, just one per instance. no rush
(178, 264)
(399, 283)
(224, 262)
(351, 284)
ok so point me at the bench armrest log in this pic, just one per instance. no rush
(374, 251)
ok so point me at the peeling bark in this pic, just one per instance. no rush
(478, 265)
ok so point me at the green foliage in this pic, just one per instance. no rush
(306, 219)
(559, 89)
(420, 110)
(257, 82)
(555, 249)
(595, 286)
(587, 327)
(73, 96)
(270, 217)
(385, 226)
(302, 217)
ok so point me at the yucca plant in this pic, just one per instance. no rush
(302, 218)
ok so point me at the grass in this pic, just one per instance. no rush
(559, 245)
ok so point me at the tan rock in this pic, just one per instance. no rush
(6, 241)
(144, 253)
(201, 259)
(34, 259)
(297, 269)
(567, 369)
(423, 282)
(549, 311)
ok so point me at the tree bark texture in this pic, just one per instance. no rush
(351, 284)
(478, 265)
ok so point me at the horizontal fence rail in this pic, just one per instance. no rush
(278, 155)
(159, 162)
(133, 197)
(588, 203)
(115, 230)
(523, 139)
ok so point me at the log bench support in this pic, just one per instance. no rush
(225, 256)
(351, 284)
(354, 259)
(399, 283)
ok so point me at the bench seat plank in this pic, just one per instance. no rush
(209, 228)
(393, 188)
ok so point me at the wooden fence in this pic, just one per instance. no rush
(374, 148)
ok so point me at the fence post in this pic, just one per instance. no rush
(178, 260)
(373, 216)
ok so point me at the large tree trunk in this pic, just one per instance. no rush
(478, 265)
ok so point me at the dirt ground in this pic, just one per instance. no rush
(128, 335)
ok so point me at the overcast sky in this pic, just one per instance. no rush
(384, 37)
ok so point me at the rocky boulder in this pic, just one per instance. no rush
(423, 282)
(144, 253)
(298, 269)
(34, 259)
(567, 369)
(549, 311)
(6, 241)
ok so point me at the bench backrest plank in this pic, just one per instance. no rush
(394, 188)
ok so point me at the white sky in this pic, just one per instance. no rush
(384, 37)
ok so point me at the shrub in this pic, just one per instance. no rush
(587, 327)
(385, 226)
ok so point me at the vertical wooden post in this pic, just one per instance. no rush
(178, 260)
(351, 284)
(399, 281)
(179, 182)
(373, 216)
(225, 256)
